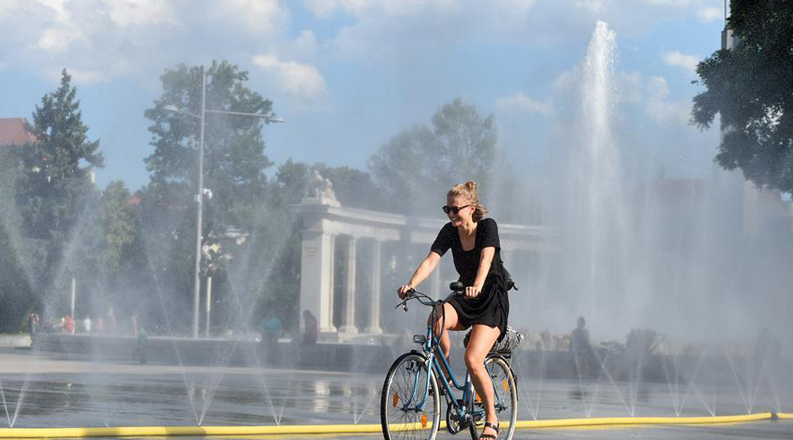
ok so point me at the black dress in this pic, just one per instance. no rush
(491, 306)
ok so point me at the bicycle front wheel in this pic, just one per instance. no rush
(410, 407)
(505, 399)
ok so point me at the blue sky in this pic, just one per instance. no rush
(347, 75)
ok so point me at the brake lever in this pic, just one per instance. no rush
(404, 302)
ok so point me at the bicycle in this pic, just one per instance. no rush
(410, 403)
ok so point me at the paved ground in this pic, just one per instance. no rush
(42, 391)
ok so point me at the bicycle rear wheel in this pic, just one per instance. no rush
(505, 399)
(408, 409)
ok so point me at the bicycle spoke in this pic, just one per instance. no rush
(408, 410)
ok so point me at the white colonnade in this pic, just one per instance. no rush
(359, 239)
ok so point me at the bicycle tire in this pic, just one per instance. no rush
(505, 394)
(404, 387)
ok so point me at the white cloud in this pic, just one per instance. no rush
(393, 30)
(264, 18)
(140, 12)
(58, 39)
(677, 59)
(710, 14)
(661, 110)
(674, 3)
(100, 40)
(305, 46)
(361, 8)
(593, 6)
(520, 103)
(629, 85)
(297, 79)
(565, 81)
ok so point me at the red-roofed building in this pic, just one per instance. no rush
(13, 131)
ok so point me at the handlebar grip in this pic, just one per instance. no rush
(457, 286)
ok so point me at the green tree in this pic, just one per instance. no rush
(234, 159)
(234, 164)
(458, 146)
(751, 88)
(16, 299)
(53, 194)
(57, 168)
(116, 225)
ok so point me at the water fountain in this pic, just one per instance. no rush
(602, 241)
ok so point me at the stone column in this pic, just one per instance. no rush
(348, 320)
(330, 282)
(376, 293)
(316, 280)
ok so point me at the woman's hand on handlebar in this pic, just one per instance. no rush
(404, 290)
(472, 291)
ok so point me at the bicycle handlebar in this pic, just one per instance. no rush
(456, 287)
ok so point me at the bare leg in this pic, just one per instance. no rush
(441, 327)
(482, 339)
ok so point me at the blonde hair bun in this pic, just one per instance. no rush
(469, 191)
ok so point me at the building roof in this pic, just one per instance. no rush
(13, 131)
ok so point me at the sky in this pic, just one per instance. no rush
(347, 75)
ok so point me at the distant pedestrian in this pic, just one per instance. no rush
(87, 324)
(271, 331)
(68, 324)
(141, 346)
(310, 329)
(33, 324)
(580, 347)
(111, 321)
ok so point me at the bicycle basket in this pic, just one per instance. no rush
(507, 344)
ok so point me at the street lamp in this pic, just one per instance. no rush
(199, 198)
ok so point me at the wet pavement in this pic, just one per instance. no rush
(41, 390)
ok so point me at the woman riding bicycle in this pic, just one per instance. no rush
(485, 304)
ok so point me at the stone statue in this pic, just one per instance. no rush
(320, 190)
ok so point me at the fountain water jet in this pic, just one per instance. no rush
(598, 219)
(173, 341)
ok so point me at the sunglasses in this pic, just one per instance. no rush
(455, 209)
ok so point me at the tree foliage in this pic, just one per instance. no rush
(54, 192)
(116, 227)
(16, 298)
(458, 146)
(234, 159)
(751, 88)
(56, 169)
(234, 184)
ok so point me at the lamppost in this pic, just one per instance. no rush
(199, 198)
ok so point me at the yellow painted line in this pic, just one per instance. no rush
(785, 416)
(171, 431)
(625, 421)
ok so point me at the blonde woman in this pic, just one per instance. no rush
(484, 307)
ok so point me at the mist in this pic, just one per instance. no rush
(327, 140)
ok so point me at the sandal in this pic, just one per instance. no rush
(494, 428)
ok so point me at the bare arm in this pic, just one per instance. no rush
(422, 272)
(485, 260)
